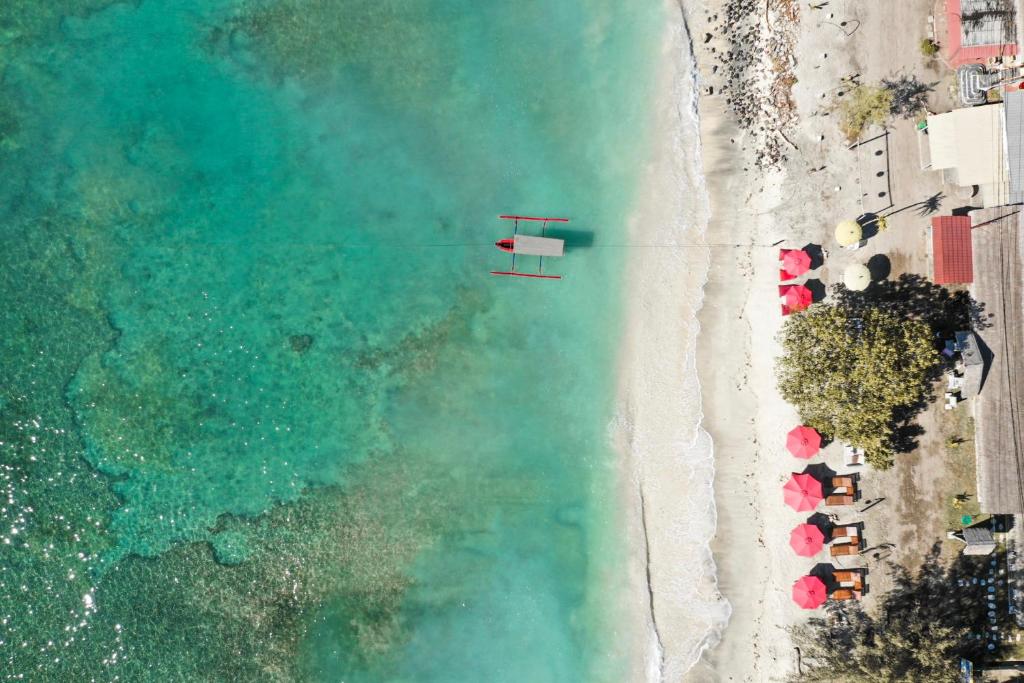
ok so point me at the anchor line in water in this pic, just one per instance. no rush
(467, 245)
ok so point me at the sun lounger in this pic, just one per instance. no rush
(840, 549)
(845, 532)
(839, 500)
(848, 579)
(845, 594)
(842, 481)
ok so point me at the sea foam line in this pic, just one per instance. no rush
(660, 421)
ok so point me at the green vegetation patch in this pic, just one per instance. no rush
(850, 372)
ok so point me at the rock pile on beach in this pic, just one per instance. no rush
(754, 51)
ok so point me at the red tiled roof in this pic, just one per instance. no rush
(951, 248)
(958, 54)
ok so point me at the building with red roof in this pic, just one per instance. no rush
(977, 31)
(952, 252)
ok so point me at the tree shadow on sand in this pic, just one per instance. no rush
(920, 629)
(914, 296)
(911, 296)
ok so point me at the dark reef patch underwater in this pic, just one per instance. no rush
(255, 424)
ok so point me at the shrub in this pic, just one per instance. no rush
(866, 106)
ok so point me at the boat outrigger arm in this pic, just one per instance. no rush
(531, 245)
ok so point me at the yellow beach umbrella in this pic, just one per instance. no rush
(856, 277)
(848, 233)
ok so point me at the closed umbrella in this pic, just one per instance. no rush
(796, 262)
(807, 540)
(797, 297)
(857, 277)
(803, 441)
(802, 492)
(848, 233)
(809, 592)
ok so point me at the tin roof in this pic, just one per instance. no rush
(1013, 112)
(976, 31)
(951, 249)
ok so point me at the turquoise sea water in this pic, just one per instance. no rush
(264, 415)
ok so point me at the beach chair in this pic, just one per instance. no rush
(842, 482)
(845, 594)
(854, 584)
(848, 579)
(841, 532)
(843, 549)
(845, 488)
(834, 501)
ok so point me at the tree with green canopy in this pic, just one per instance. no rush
(856, 374)
(918, 631)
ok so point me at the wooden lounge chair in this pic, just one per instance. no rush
(848, 579)
(839, 549)
(839, 500)
(847, 540)
(845, 532)
(845, 594)
(845, 482)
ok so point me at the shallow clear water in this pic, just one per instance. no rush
(264, 414)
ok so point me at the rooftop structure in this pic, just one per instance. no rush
(968, 146)
(998, 409)
(973, 83)
(1013, 116)
(952, 254)
(979, 541)
(982, 147)
(979, 30)
(973, 364)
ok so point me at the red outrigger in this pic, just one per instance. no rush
(531, 245)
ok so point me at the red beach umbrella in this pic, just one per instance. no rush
(802, 492)
(803, 441)
(806, 540)
(809, 592)
(797, 297)
(796, 262)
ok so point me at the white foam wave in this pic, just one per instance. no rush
(660, 415)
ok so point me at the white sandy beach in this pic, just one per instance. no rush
(713, 569)
(670, 460)
(796, 203)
